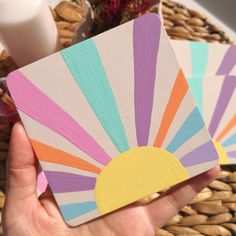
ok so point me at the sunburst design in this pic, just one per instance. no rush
(215, 95)
(121, 116)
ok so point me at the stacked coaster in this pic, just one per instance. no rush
(212, 212)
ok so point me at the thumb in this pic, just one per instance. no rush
(22, 167)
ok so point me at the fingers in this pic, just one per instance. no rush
(48, 202)
(22, 166)
(173, 200)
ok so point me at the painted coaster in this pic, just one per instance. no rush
(110, 114)
(212, 81)
(205, 59)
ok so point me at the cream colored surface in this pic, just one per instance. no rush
(198, 139)
(83, 218)
(48, 166)
(210, 95)
(228, 115)
(194, 170)
(231, 148)
(216, 54)
(183, 53)
(68, 95)
(233, 71)
(232, 160)
(44, 135)
(166, 74)
(119, 66)
(74, 197)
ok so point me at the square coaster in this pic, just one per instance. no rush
(112, 120)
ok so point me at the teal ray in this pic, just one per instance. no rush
(199, 54)
(230, 141)
(85, 65)
(190, 127)
(71, 211)
(195, 85)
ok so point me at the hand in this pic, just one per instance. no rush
(25, 215)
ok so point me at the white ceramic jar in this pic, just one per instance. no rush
(27, 30)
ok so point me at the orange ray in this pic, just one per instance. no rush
(227, 128)
(53, 155)
(179, 90)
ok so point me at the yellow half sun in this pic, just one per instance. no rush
(135, 174)
(223, 159)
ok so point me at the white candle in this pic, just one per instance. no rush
(27, 30)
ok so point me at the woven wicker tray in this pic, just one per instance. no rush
(211, 212)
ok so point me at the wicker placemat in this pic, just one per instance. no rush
(213, 211)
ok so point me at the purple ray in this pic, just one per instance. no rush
(61, 182)
(228, 61)
(204, 153)
(231, 154)
(146, 39)
(226, 93)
